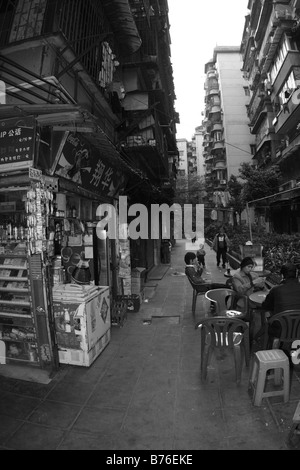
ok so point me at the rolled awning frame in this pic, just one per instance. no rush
(123, 25)
(289, 194)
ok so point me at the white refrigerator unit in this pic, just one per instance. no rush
(82, 321)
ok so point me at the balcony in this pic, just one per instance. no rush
(219, 166)
(259, 106)
(220, 161)
(207, 145)
(215, 109)
(53, 17)
(147, 148)
(281, 20)
(212, 87)
(287, 118)
(212, 74)
(213, 91)
(218, 148)
(218, 126)
(209, 158)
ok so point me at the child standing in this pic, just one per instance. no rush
(201, 255)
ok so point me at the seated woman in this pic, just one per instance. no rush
(246, 282)
(194, 272)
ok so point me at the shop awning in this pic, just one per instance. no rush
(72, 118)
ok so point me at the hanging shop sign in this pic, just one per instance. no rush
(17, 139)
(35, 174)
(80, 162)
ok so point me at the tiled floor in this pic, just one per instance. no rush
(144, 391)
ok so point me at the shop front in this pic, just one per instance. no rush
(57, 276)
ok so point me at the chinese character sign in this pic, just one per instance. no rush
(17, 139)
(80, 162)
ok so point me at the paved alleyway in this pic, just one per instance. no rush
(144, 390)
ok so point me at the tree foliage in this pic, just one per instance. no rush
(235, 189)
(259, 183)
(189, 189)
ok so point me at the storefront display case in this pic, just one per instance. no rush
(25, 306)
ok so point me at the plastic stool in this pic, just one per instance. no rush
(262, 362)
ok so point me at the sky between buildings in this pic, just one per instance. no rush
(196, 28)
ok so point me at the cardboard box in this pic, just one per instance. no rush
(137, 280)
(83, 320)
(84, 358)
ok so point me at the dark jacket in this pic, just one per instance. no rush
(194, 275)
(286, 296)
(220, 242)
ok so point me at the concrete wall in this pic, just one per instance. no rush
(233, 100)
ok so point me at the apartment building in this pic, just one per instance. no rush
(227, 140)
(271, 65)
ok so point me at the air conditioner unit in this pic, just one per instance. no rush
(223, 182)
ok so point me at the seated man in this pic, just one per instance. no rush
(285, 296)
(194, 272)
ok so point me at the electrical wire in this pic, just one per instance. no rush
(242, 150)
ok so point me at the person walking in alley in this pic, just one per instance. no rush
(220, 245)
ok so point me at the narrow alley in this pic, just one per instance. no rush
(144, 391)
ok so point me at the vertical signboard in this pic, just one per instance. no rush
(17, 142)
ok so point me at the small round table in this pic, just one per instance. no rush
(258, 297)
(263, 273)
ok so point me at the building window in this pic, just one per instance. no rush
(253, 149)
(217, 136)
(246, 91)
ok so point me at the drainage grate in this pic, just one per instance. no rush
(171, 320)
